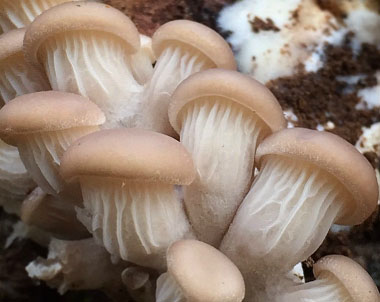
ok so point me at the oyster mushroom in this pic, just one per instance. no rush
(182, 48)
(198, 272)
(78, 265)
(20, 13)
(42, 125)
(338, 278)
(221, 116)
(87, 48)
(130, 202)
(308, 180)
(52, 215)
(16, 78)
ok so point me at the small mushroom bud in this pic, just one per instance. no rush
(77, 265)
(128, 179)
(308, 180)
(142, 61)
(182, 48)
(197, 272)
(52, 215)
(338, 278)
(86, 48)
(221, 116)
(20, 13)
(42, 125)
(16, 78)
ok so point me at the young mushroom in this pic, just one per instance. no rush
(221, 116)
(182, 48)
(308, 180)
(78, 265)
(20, 13)
(197, 272)
(52, 215)
(87, 48)
(42, 125)
(142, 61)
(128, 179)
(339, 279)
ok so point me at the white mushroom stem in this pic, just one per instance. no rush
(288, 211)
(20, 13)
(175, 64)
(41, 153)
(134, 221)
(75, 265)
(222, 138)
(325, 289)
(97, 66)
(15, 79)
(15, 182)
(140, 283)
(168, 289)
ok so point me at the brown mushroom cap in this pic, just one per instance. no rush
(197, 36)
(11, 43)
(47, 111)
(232, 86)
(351, 275)
(204, 273)
(133, 154)
(333, 154)
(76, 16)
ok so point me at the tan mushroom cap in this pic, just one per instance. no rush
(232, 86)
(204, 273)
(47, 111)
(79, 16)
(197, 36)
(11, 43)
(132, 154)
(351, 275)
(334, 155)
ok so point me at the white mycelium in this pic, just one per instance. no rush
(97, 66)
(326, 289)
(175, 64)
(20, 13)
(135, 221)
(221, 136)
(168, 290)
(41, 154)
(289, 210)
(16, 79)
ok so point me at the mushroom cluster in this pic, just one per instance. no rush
(160, 173)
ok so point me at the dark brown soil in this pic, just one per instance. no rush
(149, 15)
(258, 24)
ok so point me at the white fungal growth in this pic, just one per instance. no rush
(97, 66)
(41, 153)
(67, 269)
(20, 13)
(15, 182)
(289, 210)
(16, 80)
(168, 290)
(132, 220)
(222, 138)
(326, 289)
(175, 64)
